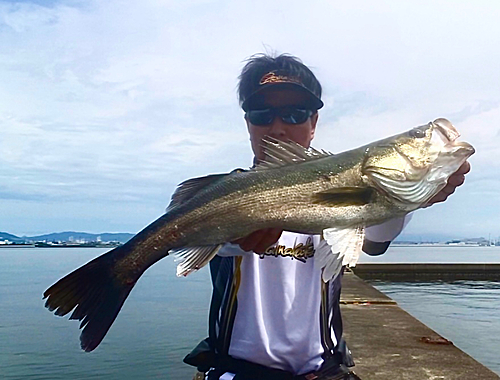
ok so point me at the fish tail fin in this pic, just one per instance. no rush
(95, 294)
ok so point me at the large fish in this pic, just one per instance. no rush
(295, 189)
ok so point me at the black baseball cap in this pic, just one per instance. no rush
(263, 72)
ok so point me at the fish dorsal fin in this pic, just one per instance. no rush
(187, 189)
(280, 153)
(344, 196)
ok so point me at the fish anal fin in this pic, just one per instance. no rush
(344, 196)
(194, 258)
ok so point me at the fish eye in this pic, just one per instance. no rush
(417, 133)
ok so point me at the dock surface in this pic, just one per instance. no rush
(388, 343)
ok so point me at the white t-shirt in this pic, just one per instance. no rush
(277, 321)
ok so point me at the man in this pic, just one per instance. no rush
(271, 316)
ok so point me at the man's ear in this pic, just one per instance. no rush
(314, 121)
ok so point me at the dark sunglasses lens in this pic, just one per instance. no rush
(288, 115)
(295, 115)
(260, 117)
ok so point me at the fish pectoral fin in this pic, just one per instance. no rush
(344, 249)
(194, 258)
(344, 196)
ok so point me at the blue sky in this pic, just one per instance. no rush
(106, 106)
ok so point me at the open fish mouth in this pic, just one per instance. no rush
(448, 134)
(452, 154)
(447, 131)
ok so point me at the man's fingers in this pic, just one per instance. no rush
(260, 240)
(268, 239)
(448, 189)
(248, 242)
(456, 180)
(439, 197)
(464, 169)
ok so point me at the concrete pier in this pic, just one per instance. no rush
(388, 343)
(429, 272)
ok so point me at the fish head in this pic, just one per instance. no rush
(412, 167)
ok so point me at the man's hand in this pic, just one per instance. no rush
(455, 180)
(260, 240)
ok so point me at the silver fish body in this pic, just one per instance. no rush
(295, 189)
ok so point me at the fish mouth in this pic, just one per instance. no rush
(446, 129)
(451, 154)
(448, 134)
(461, 148)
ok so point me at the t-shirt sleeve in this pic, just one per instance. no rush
(379, 237)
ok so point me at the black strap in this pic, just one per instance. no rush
(374, 248)
(245, 370)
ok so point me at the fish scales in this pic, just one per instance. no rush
(291, 187)
(265, 203)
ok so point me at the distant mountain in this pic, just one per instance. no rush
(10, 237)
(68, 236)
(433, 237)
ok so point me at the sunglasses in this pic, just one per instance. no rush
(289, 115)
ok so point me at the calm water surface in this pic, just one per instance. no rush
(162, 320)
(165, 316)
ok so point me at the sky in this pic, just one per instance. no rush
(105, 106)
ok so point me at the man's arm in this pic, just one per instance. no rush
(379, 237)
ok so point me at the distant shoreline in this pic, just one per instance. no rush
(37, 245)
(437, 245)
(17, 245)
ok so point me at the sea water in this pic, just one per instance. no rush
(165, 316)
(161, 321)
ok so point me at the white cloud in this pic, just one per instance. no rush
(110, 104)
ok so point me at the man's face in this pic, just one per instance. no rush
(300, 133)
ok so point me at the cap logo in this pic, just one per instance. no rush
(272, 77)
